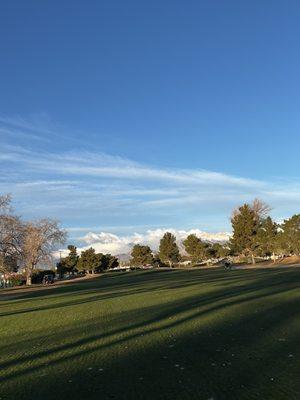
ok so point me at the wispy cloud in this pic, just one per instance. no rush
(37, 128)
(89, 187)
(106, 166)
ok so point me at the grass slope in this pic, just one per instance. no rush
(155, 335)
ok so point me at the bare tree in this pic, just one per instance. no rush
(40, 239)
(11, 237)
(260, 208)
(5, 201)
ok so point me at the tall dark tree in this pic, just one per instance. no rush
(72, 259)
(245, 224)
(141, 255)
(266, 237)
(290, 235)
(168, 249)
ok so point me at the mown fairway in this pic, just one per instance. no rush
(155, 335)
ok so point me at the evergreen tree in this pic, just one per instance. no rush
(72, 259)
(61, 267)
(219, 250)
(109, 261)
(89, 261)
(290, 235)
(168, 249)
(245, 224)
(141, 255)
(196, 248)
(266, 237)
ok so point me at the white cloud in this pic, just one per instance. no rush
(105, 242)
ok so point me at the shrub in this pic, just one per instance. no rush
(38, 275)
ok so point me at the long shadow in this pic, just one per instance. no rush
(170, 309)
(188, 350)
(132, 286)
(204, 375)
(133, 279)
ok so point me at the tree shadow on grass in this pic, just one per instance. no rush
(174, 309)
(139, 283)
(208, 330)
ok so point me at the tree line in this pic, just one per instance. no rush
(26, 245)
(88, 262)
(168, 254)
(254, 235)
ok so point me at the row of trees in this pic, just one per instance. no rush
(255, 234)
(89, 261)
(26, 244)
(169, 254)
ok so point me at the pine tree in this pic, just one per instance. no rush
(196, 248)
(89, 261)
(168, 249)
(266, 237)
(141, 255)
(245, 224)
(290, 236)
(72, 259)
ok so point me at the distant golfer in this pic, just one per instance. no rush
(227, 265)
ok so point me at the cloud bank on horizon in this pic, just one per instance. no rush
(105, 242)
(92, 191)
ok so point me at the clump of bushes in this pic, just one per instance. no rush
(38, 275)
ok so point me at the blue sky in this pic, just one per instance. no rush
(130, 116)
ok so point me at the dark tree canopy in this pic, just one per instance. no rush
(266, 238)
(168, 249)
(196, 248)
(89, 261)
(109, 261)
(219, 250)
(141, 255)
(72, 259)
(245, 224)
(92, 262)
(290, 235)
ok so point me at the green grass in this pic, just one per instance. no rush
(153, 335)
